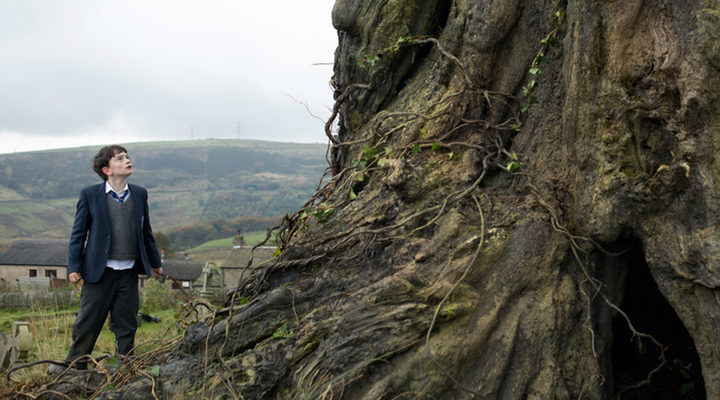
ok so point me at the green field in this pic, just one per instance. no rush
(224, 242)
(251, 239)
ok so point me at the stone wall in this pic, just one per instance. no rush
(234, 265)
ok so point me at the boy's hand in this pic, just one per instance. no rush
(157, 272)
(74, 277)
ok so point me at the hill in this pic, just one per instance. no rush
(189, 182)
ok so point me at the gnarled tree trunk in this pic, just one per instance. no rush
(507, 176)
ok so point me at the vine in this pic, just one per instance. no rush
(374, 156)
(535, 66)
(375, 152)
(342, 186)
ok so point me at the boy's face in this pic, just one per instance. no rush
(119, 166)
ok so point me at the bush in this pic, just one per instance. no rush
(157, 296)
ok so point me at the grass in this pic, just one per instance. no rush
(216, 251)
(51, 331)
(7, 317)
(224, 242)
(251, 239)
(22, 218)
(7, 194)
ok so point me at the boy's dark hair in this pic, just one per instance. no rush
(102, 158)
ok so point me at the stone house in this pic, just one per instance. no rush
(185, 272)
(237, 260)
(26, 259)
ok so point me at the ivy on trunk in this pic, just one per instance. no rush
(524, 204)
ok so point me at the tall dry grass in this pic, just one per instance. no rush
(51, 329)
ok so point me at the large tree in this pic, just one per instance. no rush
(524, 204)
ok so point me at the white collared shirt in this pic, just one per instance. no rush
(119, 264)
(109, 189)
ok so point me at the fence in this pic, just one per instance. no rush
(54, 298)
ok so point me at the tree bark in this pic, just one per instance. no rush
(504, 172)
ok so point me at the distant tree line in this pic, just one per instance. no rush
(164, 244)
(29, 175)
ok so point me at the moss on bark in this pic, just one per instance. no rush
(443, 275)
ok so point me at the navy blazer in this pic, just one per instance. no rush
(90, 238)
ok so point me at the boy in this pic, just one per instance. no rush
(111, 242)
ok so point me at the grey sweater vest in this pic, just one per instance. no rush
(123, 240)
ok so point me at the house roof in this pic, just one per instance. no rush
(239, 257)
(182, 270)
(36, 252)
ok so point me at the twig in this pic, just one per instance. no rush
(152, 388)
(336, 108)
(54, 392)
(597, 285)
(226, 381)
(447, 54)
(303, 103)
(640, 335)
(297, 319)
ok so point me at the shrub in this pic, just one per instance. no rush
(157, 296)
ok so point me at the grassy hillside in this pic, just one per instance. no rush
(189, 182)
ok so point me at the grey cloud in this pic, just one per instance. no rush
(157, 68)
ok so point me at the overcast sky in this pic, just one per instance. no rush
(79, 72)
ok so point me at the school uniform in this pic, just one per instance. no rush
(110, 244)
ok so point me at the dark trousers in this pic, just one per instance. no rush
(116, 293)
